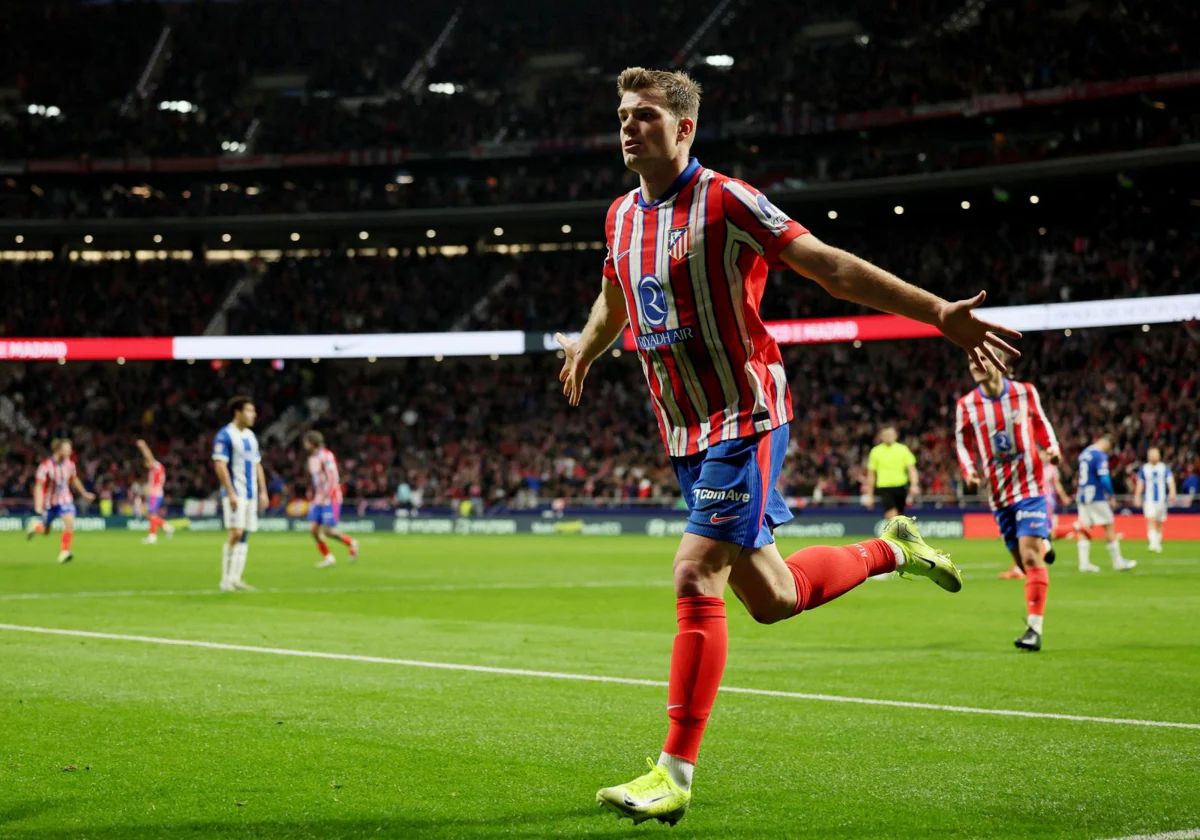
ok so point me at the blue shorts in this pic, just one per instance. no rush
(329, 515)
(731, 492)
(1026, 518)
(154, 504)
(55, 511)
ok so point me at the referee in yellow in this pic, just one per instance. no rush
(891, 474)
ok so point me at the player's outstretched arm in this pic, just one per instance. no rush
(81, 490)
(848, 277)
(147, 456)
(605, 323)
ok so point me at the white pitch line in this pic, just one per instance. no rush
(559, 675)
(329, 590)
(1186, 834)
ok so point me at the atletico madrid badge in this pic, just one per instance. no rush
(679, 240)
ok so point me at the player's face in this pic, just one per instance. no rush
(888, 435)
(987, 373)
(650, 134)
(248, 414)
(64, 452)
(309, 446)
(1153, 456)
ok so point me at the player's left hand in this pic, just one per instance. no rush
(91, 497)
(1055, 456)
(981, 339)
(262, 504)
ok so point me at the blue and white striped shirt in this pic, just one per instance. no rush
(1154, 479)
(239, 449)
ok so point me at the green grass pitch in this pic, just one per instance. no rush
(104, 738)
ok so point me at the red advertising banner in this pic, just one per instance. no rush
(85, 349)
(1132, 526)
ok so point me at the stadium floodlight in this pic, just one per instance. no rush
(225, 237)
(445, 88)
(832, 214)
(88, 239)
(566, 228)
(19, 239)
(362, 234)
(32, 109)
(719, 61)
(862, 40)
(898, 210)
(499, 231)
(158, 237)
(1033, 199)
(53, 111)
(431, 233)
(295, 237)
(966, 205)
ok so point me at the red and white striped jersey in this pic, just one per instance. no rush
(1050, 475)
(327, 486)
(693, 266)
(55, 479)
(158, 480)
(1002, 432)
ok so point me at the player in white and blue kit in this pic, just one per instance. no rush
(1155, 492)
(1094, 489)
(243, 489)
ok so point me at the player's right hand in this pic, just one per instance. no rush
(574, 369)
(232, 502)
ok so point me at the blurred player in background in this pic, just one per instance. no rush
(243, 489)
(325, 507)
(1055, 494)
(891, 474)
(52, 497)
(688, 256)
(1001, 422)
(156, 480)
(1093, 490)
(1155, 492)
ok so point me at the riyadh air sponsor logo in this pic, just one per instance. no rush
(705, 495)
(654, 301)
(650, 341)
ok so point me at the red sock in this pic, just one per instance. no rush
(346, 540)
(156, 522)
(825, 572)
(321, 547)
(1063, 531)
(66, 540)
(697, 663)
(39, 528)
(1037, 581)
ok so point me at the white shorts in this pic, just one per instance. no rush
(245, 518)
(1095, 513)
(1155, 510)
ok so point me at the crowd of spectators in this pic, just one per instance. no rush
(289, 75)
(499, 432)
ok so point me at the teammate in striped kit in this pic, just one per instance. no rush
(1094, 489)
(688, 256)
(325, 507)
(1155, 492)
(1001, 423)
(52, 497)
(156, 482)
(243, 489)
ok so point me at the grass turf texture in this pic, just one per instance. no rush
(116, 739)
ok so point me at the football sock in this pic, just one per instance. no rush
(238, 561)
(323, 548)
(1114, 552)
(825, 572)
(39, 528)
(679, 770)
(1037, 581)
(697, 663)
(1084, 547)
(226, 562)
(156, 522)
(345, 539)
(66, 540)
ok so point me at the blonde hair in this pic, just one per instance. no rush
(681, 91)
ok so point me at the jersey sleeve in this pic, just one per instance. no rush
(43, 473)
(1043, 432)
(222, 446)
(910, 460)
(610, 228)
(751, 212)
(873, 460)
(964, 442)
(255, 453)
